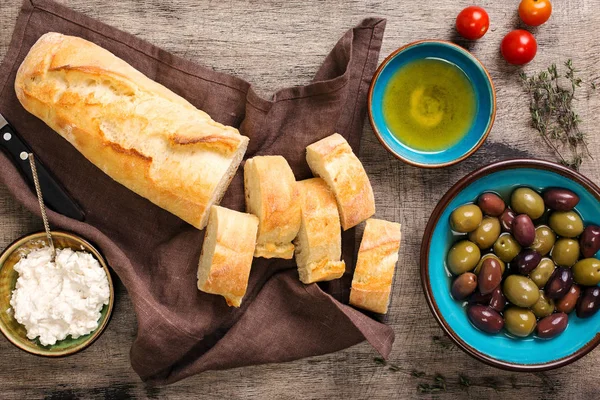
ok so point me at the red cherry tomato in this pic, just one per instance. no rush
(535, 12)
(518, 47)
(472, 22)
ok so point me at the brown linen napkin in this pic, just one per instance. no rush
(182, 331)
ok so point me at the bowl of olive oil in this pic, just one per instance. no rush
(431, 103)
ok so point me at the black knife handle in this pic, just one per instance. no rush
(55, 197)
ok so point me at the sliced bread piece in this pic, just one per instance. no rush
(375, 266)
(319, 242)
(227, 254)
(272, 195)
(333, 160)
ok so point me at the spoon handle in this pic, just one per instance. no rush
(38, 191)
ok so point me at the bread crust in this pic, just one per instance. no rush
(227, 254)
(375, 266)
(332, 159)
(137, 131)
(319, 241)
(271, 194)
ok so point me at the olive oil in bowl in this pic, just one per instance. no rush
(429, 104)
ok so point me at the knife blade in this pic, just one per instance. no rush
(55, 196)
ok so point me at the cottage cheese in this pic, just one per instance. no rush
(56, 299)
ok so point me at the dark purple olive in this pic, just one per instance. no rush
(506, 220)
(490, 275)
(478, 298)
(485, 319)
(589, 241)
(491, 204)
(527, 260)
(559, 283)
(552, 325)
(589, 302)
(498, 300)
(523, 230)
(569, 301)
(464, 285)
(560, 199)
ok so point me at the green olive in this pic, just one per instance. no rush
(566, 223)
(544, 240)
(506, 247)
(542, 273)
(486, 233)
(543, 307)
(463, 257)
(565, 252)
(521, 291)
(587, 272)
(466, 218)
(527, 201)
(480, 263)
(519, 321)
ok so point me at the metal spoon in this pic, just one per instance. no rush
(38, 191)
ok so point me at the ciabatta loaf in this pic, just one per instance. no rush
(137, 131)
(319, 242)
(272, 195)
(333, 160)
(227, 254)
(375, 266)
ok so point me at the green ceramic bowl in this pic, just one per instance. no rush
(9, 326)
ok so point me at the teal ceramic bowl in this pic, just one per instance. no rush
(482, 85)
(499, 350)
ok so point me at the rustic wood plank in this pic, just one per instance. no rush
(275, 44)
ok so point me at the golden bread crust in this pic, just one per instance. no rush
(271, 194)
(319, 241)
(332, 159)
(375, 266)
(137, 131)
(227, 254)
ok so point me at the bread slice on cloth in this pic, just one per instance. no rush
(333, 160)
(227, 254)
(375, 266)
(271, 194)
(319, 242)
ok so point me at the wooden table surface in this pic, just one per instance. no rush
(281, 43)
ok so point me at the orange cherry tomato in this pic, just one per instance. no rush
(472, 22)
(518, 47)
(535, 12)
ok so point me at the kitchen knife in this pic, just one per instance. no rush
(55, 197)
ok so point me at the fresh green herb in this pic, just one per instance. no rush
(549, 383)
(553, 116)
(379, 360)
(438, 386)
(417, 374)
(442, 342)
(394, 368)
(464, 381)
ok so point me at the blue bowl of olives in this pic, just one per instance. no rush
(510, 264)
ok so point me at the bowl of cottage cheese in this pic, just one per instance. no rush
(54, 307)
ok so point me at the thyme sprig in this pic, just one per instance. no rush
(552, 113)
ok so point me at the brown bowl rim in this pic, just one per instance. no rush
(482, 139)
(424, 259)
(96, 253)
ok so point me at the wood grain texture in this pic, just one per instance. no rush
(275, 44)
